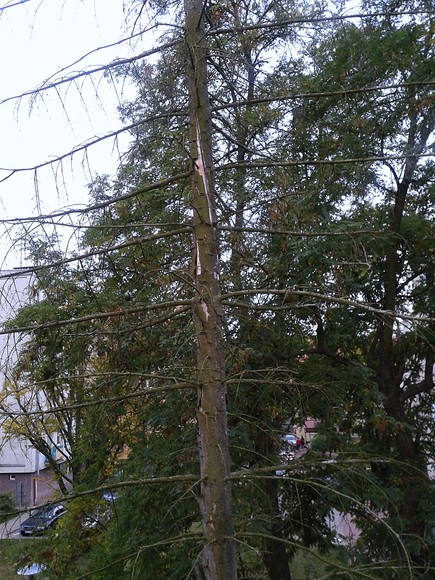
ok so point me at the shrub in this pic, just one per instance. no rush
(7, 503)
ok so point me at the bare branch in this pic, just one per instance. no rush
(313, 20)
(135, 192)
(101, 316)
(87, 73)
(335, 161)
(314, 295)
(85, 146)
(96, 402)
(316, 95)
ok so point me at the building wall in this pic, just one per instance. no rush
(14, 293)
(19, 487)
(23, 471)
(29, 489)
(307, 430)
(15, 455)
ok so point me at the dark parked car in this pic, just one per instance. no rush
(41, 519)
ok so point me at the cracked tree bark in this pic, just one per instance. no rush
(219, 554)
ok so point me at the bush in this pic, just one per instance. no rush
(7, 503)
(320, 444)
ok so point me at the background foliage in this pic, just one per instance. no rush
(322, 130)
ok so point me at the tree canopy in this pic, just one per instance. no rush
(264, 255)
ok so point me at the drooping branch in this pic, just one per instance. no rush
(315, 295)
(54, 84)
(314, 20)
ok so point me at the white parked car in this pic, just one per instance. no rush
(290, 439)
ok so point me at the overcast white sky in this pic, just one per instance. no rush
(37, 39)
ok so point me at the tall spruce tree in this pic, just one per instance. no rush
(266, 246)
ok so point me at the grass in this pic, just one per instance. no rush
(12, 553)
(9, 555)
(305, 565)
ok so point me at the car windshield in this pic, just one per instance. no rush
(42, 513)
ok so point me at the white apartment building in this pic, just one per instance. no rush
(23, 470)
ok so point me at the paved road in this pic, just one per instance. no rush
(11, 528)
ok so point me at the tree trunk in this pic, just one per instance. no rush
(42, 446)
(275, 555)
(390, 372)
(219, 554)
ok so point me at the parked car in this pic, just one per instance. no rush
(41, 519)
(289, 439)
(99, 517)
